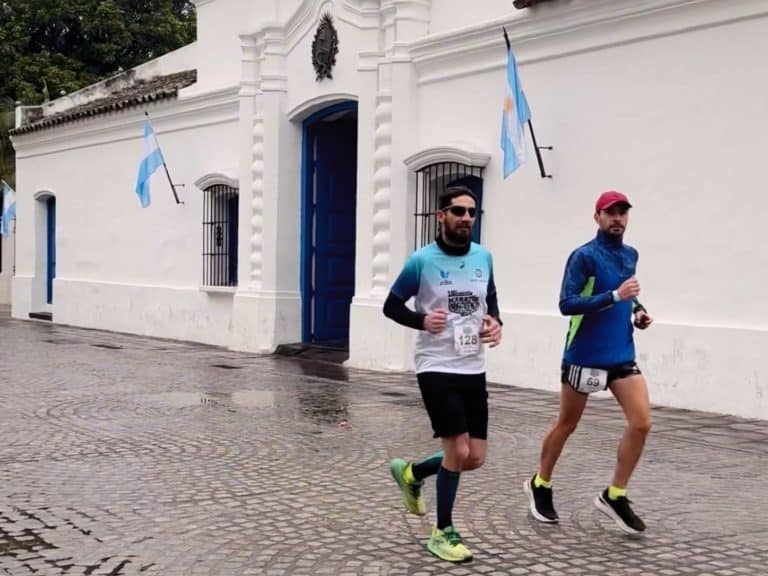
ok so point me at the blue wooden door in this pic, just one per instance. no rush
(50, 205)
(335, 181)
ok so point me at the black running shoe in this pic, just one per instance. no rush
(541, 502)
(621, 513)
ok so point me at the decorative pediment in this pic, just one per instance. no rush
(44, 194)
(226, 178)
(307, 107)
(463, 153)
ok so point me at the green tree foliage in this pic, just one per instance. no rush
(68, 44)
(50, 47)
(6, 150)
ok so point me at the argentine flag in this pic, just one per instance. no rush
(153, 159)
(9, 209)
(513, 118)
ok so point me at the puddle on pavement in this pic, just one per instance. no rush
(327, 371)
(253, 399)
(177, 399)
(323, 403)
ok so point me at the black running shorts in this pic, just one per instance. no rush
(456, 403)
(615, 372)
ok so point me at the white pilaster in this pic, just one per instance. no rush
(267, 306)
(375, 341)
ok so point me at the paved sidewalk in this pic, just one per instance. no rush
(129, 455)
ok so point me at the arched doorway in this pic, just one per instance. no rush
(50, 247)
(329, 192)
(41, 305)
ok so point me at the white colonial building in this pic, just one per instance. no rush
(303, 194)
(6, 268)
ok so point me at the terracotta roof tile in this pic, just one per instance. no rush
(158, 88)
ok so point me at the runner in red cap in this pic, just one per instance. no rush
(599, 293)
(611, 198)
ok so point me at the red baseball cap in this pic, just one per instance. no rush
(608, 199)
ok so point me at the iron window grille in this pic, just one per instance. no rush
(434, 178)
(220, 218)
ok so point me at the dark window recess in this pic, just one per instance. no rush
(430, 180)
(520, 4)
(220, 236)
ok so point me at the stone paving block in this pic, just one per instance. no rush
(145, 458)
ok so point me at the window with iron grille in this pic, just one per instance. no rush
(430, 181)
(220, 235)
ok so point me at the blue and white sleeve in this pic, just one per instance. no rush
(406, 285)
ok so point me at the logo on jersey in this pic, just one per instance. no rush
(464, 303)
(444, 275)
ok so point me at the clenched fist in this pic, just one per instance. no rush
(629, 289)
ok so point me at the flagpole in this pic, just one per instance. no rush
(168, 174)
(530, 124)
(538, 151)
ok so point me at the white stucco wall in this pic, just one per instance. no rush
(119, 266)
(219, 25)
(6, 245)
(448, 15)
(641, 117)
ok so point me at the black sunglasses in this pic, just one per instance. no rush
(459, 211)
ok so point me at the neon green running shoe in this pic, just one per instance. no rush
(447, 544)
(411, 491)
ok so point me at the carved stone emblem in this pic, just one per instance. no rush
(325, 46)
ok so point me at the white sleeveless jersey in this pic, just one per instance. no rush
(459, 284)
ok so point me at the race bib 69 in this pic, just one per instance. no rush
(587, 380)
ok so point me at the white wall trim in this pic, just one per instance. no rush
(561, 29)
(461, 153)
(225, 178)
(128, 284)
(357, 13)
(218, 107)
(218, 289)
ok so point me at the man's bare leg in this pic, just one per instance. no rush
(632, 395)
(572, 405)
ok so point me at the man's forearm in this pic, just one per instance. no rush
(395, 309)
(577, 304)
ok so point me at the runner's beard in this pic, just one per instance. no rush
(458, 234)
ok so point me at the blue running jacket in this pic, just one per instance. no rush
(600, 332)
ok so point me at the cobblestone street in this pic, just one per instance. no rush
(130, 455)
